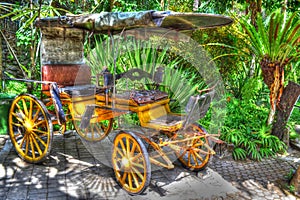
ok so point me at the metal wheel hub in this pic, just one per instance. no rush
(28, 125)
(126, 162)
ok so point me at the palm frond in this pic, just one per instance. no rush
(287, 27)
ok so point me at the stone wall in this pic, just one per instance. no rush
(8, 63)
(62, 46)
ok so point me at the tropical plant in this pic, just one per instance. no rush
(274, 44)
(119, 55)
(244, 127)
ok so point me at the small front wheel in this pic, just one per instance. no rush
(131, 163)
(30, 128)
(95, 131)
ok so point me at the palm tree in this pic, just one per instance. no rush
(275, 44)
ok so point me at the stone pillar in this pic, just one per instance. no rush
(62, 56)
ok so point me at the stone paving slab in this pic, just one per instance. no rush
(71, 172)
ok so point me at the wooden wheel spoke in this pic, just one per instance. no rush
(20, 110)
(40, 131)
(194, 158)
(198, 156)
(98, 130)
(25, 107)
(136, 157)
(36, 145)
(17, 125)
(30, 109)
(130, 180)
(138, 165)
(136, 181)
(27, 144)
(183, 153)
(198, 143)
(127, 145)
(35, 117)
(120, 152)
(137, 172)
(123, 179)
(189, 157)
(17, 135)
(40, 123)
(40, 139)
(22, 141)
(134, 145)
(18, 118)
(200, 151)
(122, 146)
(32, 148)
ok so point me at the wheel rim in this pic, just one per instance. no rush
(95, 131)
(30, 128)
(131, 163)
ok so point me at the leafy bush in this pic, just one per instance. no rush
(245, 127)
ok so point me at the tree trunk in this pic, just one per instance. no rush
(259, 6)
(296, 181)
(111, 5)
(162, 4)
(284, 109)
(196, 5)
(255, 8)
(1, 66)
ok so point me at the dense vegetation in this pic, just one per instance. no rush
(239, 51)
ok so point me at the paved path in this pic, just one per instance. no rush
(72, 173)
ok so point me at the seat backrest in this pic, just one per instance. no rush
(197, 107)
(66, 75)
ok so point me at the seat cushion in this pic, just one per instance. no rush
(66, 75)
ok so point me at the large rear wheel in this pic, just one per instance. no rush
(131, 163)
(194, 154)
(30, 128)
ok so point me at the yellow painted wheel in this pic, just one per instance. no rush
(194, 155)
(30, 128)
(131, 163)
(95, 131)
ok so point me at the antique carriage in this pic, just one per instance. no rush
(67, 87)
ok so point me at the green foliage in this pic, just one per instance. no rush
(291, 188)
(245, 128)
(13, 87)
(28, 36)
(290, 174)
(220, 6)
(135, 5)
(225, 46)
(273, 37)
(239, 154)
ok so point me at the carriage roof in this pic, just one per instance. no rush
(105, 22)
